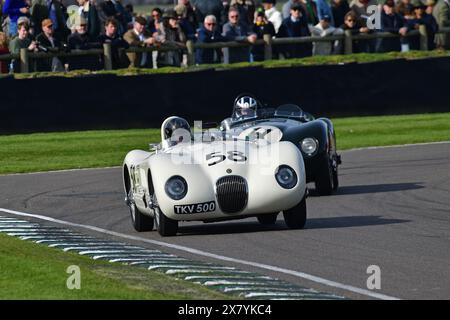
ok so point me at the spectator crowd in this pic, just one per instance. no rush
(51, 26)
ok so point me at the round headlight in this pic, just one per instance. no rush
(286, 177)
(309, 146)
(176, 187)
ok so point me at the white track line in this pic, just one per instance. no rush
(298, 274)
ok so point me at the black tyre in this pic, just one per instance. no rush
(140, 221)
(166, 227)
(324, 178)
(268, 218)
(295, 217)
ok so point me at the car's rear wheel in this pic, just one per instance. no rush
(324, 178)
(166, 227)
(295, 217)
(140, 221)
(268, 218)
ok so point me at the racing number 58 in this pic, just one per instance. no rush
(234, 155)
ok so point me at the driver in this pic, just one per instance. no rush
(244, 108)
(175, 130)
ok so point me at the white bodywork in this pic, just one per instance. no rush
(190, 161)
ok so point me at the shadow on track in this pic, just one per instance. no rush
(313, 223)
(374, 188)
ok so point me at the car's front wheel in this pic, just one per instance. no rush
(166, 227)
(324, 178)
(268, 218)
(295, 217)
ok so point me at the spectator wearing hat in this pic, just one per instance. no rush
(235, 31)
(186, 26)
(325, 29)
(89, 12)
(272, 14)
(295, 26)
(441, 13)
(261, 27)
(139, 37)
(49, 41)
(15, 9)
(209, 33)
(354, 25)
(80, 40)
(111, 36)
(3, 50)
(394, 23)
(172, 34)
(246, 10)
(339, 8)
(420, 17)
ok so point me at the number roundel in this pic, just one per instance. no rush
(236, 156)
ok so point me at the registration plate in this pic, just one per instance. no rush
(195, 208)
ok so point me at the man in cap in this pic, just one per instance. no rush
(295, 26)
(80, 40)
(324, 29)
(272, 14)
(49, 41)
(139, 37)
(89, 12)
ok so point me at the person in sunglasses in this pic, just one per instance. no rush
(233, 30)
(209, 33)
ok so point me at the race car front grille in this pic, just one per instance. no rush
(232, 193)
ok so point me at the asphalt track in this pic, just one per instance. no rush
(392, 210)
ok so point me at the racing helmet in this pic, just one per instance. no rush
(175, 130)
(245, 107)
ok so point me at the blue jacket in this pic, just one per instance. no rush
(12, 9)
(208, 55)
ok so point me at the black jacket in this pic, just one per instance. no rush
(390, 23)
(208, 55)
(291, 29)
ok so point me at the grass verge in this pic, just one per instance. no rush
(32, 271)
(309, 61)
(90, 149)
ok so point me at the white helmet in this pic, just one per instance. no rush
(245, 107)
(175, 130)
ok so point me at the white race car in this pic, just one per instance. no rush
(208, 178)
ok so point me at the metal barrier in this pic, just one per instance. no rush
(268, 42)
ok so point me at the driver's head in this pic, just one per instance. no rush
(244, 107)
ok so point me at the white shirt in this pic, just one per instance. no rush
(274, 16)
